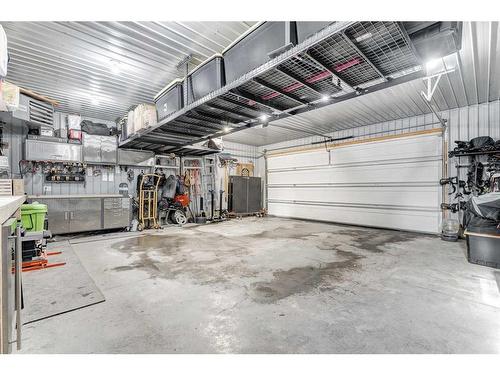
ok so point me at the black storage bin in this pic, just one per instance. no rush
(169, 100)
(438, 39)
(253, 48)
(483, 248)
(306, 29)
(204, 79)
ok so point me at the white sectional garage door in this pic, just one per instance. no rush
(392, 183)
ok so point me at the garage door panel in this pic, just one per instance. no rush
(388, 150)
(299, 160)
(410, 220)
(390, 184)
(395, 196)
(428, 171)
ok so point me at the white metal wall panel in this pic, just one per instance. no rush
(390, 183)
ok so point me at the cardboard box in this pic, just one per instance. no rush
(144, 116)
(9, 96)
(18, 186)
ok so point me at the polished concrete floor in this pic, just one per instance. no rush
(270, 285)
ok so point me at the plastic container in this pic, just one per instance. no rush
(73, 122)
(483, 248)
(306, 29)
(450, 229)
(33, 216)
(204, 79)
(144, 116)
(75, 134)
(438, 40)
(169, 100)
(130, 123)
(257, 46)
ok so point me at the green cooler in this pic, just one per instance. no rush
(33, 216)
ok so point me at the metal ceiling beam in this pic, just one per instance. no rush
(248, 96)
(233, 111)
(155, 140)
(212, 116)
(174, 132)
(242, 104)
(355, 47)
(327, 68)
(171, 127)
(203, 126)
(279, 91)
(173, 137)
(217, 123)
(299, 80)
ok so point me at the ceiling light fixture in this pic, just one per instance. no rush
(325, 98)
(264, 117)
(227, 129)
(94, 101)
(363, 37)
(432, 64)
(115, 67)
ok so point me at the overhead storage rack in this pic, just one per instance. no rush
(341, 61)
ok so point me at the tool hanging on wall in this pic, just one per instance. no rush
(55, 172)
(458, 186)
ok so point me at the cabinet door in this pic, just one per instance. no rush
(254, 194)
(239, 193)
(85, 214)
(116, 212)
(91, 148)
(57, 215)
(108, 149)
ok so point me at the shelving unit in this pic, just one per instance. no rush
(336, 64)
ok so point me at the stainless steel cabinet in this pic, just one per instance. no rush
(58, 215)
(84, 214)
(67, 214)
(99, 149)
(116, 212)
(108, 150)
(57, 151)
(91, 148)
(136, 157)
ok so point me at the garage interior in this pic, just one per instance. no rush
(250, 187)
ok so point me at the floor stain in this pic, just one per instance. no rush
(205, 257)
(199, 256)
(295, 232)
(303, 279)
(374, 240)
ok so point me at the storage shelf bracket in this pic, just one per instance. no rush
(432, 86)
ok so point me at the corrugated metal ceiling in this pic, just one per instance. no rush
(100, 69)
(476, 79)
(121, 64)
